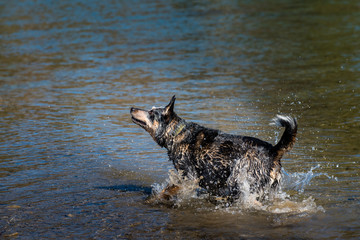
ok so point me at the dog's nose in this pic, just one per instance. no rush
(131, 109)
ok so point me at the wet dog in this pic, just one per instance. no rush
(224, 164)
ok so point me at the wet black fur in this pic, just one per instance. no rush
(221, 161)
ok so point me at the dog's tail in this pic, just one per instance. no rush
(289, 136)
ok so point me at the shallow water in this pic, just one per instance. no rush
(73, 165)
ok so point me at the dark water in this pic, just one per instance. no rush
(73, 165)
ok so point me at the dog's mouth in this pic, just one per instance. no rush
(138, 122)
(140, 117)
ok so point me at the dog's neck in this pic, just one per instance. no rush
(180, 125)
(167, 137)
(176, 128)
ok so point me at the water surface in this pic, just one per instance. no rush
(73, 165)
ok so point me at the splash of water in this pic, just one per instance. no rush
(299, 180)
(276, 202)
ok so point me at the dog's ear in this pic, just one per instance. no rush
(170, 107)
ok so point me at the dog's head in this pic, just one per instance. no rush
(156, 120)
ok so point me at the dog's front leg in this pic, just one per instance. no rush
(165, 196)
(169, 192)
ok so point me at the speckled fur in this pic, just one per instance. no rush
(220, 161)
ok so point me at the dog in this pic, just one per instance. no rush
(221, 162)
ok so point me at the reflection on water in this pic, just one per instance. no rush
(72, 165)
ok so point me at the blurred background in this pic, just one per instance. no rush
(73, 165)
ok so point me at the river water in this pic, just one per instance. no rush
(73, 165)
